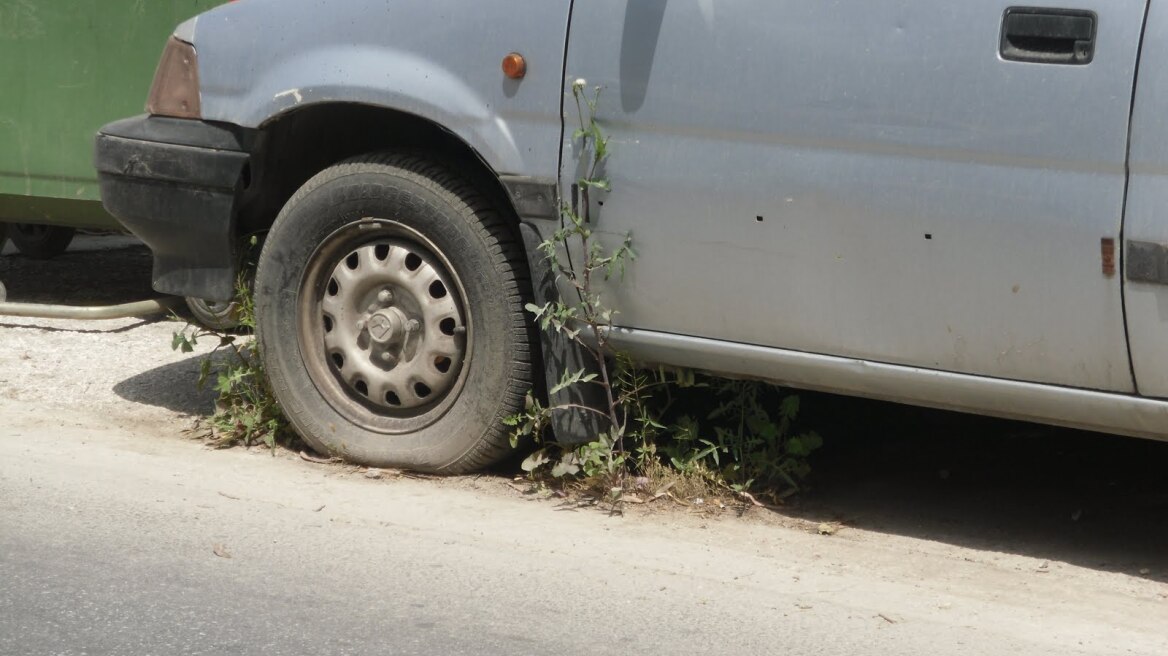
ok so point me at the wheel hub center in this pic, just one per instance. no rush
(386, 325)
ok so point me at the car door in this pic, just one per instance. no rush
(1146, 224)
(921, 182)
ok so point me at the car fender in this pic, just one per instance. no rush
(436, 60)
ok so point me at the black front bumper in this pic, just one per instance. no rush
(175, 184)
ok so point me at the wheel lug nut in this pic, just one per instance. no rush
(413, 325)
(385, 297)
(360, 325)
(386, 356)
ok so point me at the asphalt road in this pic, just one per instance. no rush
(109, 533)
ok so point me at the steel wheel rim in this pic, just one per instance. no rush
(383, 326)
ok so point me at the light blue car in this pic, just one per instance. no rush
(951, 203)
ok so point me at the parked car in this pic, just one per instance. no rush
(68, 69)
(951, 204)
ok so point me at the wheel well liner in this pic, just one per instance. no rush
(290, 148)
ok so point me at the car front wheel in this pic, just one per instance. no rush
(389, 305)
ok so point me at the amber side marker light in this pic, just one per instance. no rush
(514, 66)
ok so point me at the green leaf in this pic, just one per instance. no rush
(803, 445)
(768, 431)
(789, 408)
(535, 460)
(796, 447)
(598, 183)
(204, 373)
(181, 342)
(571, 378)
(565, 468)
(600, 147)
(537, 310)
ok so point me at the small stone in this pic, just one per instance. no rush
(827, 529)
(373, 473)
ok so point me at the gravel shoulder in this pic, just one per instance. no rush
(122, 368)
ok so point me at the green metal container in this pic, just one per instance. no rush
(66, 68)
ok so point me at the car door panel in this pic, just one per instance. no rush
(864, 179)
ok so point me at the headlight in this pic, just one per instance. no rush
(175, 91)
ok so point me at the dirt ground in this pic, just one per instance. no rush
(1034, 499)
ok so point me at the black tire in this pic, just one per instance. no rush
(215, 315)
(40, 242)
(411, 202)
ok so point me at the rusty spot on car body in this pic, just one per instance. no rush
(1107, 253)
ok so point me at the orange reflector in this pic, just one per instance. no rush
(514, 66)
